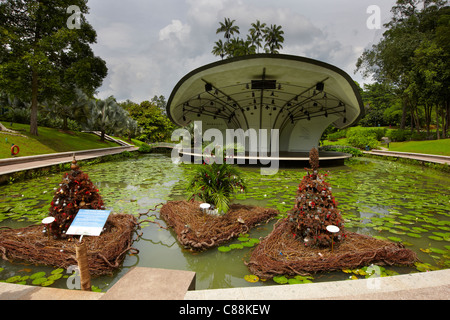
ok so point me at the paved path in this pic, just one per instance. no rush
(8, 166)
(410, 155)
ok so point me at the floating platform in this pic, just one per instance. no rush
(105, 253)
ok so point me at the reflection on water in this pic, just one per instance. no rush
(380, 198)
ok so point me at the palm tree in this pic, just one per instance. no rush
(228, 28)
(274, 38)
(106, 116)
(256, 33)
(219, 49)
(215, 184)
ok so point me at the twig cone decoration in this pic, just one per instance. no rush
(315, 209)
(75, 192)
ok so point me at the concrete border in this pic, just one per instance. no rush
(433, 285)
(142, 283)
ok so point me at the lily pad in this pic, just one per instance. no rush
(224, 249)
(57, 271)
(437, 250)
(39, 281)
(280, 279)
(55, 277)
(13, 279)
(435, 238)
(251, 278)
(395, 239)
(47, 283)
(37, 275)
(414, 235)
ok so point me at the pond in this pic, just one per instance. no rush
(376, 197)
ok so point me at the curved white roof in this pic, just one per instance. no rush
(244, 91)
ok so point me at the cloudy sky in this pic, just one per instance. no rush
(150, 45)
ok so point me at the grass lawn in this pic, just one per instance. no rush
(439, 147)
(49, 141)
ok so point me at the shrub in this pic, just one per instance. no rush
(398, 135)
(215, 184)
(145, 148)
(362, 137)
(336, 135)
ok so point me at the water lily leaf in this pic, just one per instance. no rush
(55, 277)
(39, 281)
(414, 235)
(13, 279)
(37, 275)
(280, 279)
(435, 238)
(347, 270)
(295, 281)
(47, 283)
(395, 239)
(251, 278)
(57, 271)
(248, 244)
(224, 249)
(437, 250)
(236, 246)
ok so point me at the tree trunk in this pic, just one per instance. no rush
(34, 104)
(102, 137)
(437, 122)
(403, 121)
(65, 125)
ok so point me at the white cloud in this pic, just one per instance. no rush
(176, 29)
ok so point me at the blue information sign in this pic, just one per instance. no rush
(88, 222)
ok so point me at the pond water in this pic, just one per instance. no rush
(376, 197)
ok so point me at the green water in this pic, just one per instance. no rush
(384, 199)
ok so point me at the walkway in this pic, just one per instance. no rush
(409, 155)
(8, 166)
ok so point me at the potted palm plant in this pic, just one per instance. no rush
(215, 183)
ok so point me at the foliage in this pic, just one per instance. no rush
(41, 58)
(360, 137)
(236, 46)
(149, 116)
(353, 151)
(215, 184)
(412, 58)
(106, 116)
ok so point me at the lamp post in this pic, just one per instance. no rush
(47, 222)
(332, 229)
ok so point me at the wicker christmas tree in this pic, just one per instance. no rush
(76, 191)
(315, 209)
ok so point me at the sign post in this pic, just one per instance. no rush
(86, 223)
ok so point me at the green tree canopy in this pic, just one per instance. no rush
(41, 58)
(156, 126)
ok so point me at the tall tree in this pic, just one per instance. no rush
(256, 33)
(41, 58)
(273, 36)
(392, 59)
(228, 28)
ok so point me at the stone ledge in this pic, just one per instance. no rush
(152, 284)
